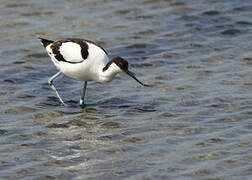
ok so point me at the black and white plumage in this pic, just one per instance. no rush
(83, 60)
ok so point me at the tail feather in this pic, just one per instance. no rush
(45, 42)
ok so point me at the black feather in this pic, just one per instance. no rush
(45, 42)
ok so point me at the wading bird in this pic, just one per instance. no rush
(83, 60)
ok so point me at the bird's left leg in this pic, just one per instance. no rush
(50, 81)
(83, 93)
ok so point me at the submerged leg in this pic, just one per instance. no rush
(83, 93)
(50, 81)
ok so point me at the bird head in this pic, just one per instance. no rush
(118, 65)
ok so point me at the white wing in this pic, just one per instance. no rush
(71, 52)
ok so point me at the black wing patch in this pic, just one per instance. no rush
(56, 49)
(81, 42)
(96, 45)
(83, 45)
(45, 42)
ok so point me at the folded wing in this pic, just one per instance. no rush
(70, 50)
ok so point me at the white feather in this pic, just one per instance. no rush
(71, 52)
(88, 70)
(110, 73)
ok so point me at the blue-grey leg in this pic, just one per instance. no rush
(83, 93)
(50, 81)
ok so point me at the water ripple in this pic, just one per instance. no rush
(193, 123)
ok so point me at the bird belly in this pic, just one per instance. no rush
(80, 71)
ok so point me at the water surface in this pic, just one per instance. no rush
(195, 123)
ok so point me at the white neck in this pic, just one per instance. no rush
(109, 74)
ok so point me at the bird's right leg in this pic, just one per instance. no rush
(50, 81)
(83, 93)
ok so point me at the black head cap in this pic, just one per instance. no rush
(123, 65)
(120, 62)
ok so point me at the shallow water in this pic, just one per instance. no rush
(195, 123)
